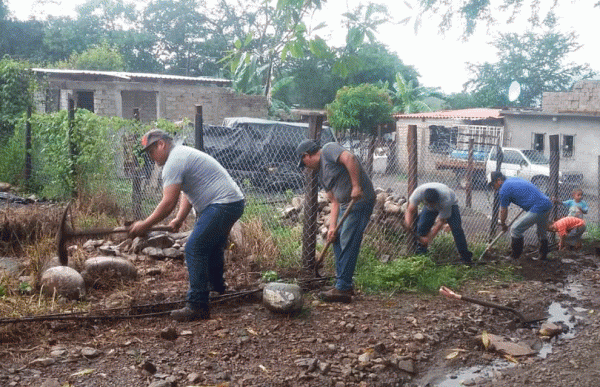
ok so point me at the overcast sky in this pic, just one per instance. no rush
(441, 60)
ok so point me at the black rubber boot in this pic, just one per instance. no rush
(517, 245)
(544, 249)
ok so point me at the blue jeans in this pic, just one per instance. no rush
(529, 219)
(204, 250)
(347, 244)
(425, 222)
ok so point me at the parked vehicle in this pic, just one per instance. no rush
(457, 161)
(533, 166)
(527, 164)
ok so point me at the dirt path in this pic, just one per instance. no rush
(393, 340)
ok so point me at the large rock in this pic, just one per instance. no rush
(63, 281)
(102, 270)
(282, 298)
(12, 266)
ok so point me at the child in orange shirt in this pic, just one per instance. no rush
(570, 229)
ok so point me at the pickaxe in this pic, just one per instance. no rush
(65, 233)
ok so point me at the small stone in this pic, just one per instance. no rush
(90, 353)
(194, 378)
(43, 361)
(169, 334)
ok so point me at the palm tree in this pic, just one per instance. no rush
(410, 99)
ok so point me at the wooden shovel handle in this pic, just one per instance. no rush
(444, 291)
(319, 260)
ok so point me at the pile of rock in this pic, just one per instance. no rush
(388, 212)
(111, 266)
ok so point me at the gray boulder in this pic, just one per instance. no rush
(102, 270)
(63, 281)
(282, 298)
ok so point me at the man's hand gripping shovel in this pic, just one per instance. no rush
(319, 260)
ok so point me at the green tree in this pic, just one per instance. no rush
(273, 31)
(180, 31)
(102, 57)
(537, 62)
(469, 13)
(409, 98)
(361, 109)
(16, 90)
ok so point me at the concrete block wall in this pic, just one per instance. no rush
(583, 98)
(175, 102)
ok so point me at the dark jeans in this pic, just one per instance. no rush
(425, 222)
(204, 250)
(347, 245)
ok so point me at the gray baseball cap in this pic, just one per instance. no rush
(306, 146)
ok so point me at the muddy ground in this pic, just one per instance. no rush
(377, 340)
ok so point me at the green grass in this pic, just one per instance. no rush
(424, 273)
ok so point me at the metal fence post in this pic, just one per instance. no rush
(198, 129)
(311, 201)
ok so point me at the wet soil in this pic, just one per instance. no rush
(377, 340)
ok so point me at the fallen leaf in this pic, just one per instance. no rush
(262, 367)
(83, 372)
(485, 339)
(251, 331)
(511, 359)
(452, 355)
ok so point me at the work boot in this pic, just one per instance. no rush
(191, 313)
(329, 288)
(219, 289)
(517, 247)
(336, 295)
(544, 249)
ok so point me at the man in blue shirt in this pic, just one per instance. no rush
(527, 196)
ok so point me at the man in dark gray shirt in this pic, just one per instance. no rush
(440, 207)
(343, 178)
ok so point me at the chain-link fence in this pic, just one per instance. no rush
(260, 155)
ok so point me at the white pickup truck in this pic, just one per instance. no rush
(533, 166)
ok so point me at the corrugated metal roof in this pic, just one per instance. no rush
(471, 114)
(132, 76)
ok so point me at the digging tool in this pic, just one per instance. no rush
(65, 233)
(493, 242)
(319, 260)
(444, 291)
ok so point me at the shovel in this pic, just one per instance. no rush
(444, 291)
(493, 242)
(319, 260)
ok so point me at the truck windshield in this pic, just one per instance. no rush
(535, 157)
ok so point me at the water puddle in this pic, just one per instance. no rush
(564, 313)
(459, 377)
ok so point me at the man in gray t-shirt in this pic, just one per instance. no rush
(440, 206)
(344, 179)
(195, 180)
